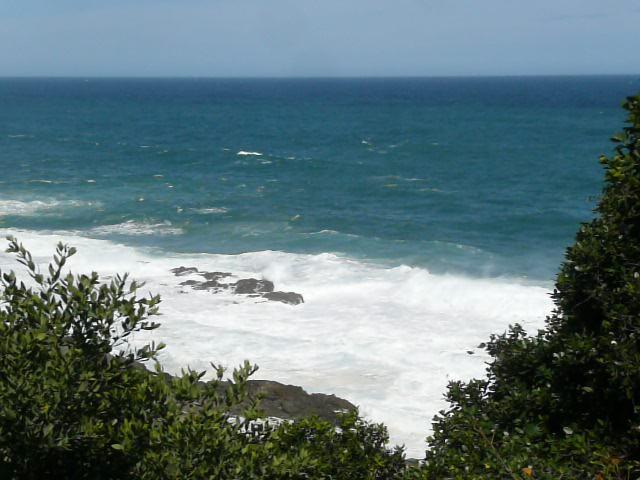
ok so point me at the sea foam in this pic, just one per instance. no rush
(133, 228)
(242, 153)
(38, 207)
(387, 339)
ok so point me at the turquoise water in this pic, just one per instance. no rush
(481, 176)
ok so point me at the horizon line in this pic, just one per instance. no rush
(306, 77)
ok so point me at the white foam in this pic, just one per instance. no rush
(37, 207)
(210, 211)
(42, 181)
(324, 232)
(134, 228)
(388, 339)
(242, 153)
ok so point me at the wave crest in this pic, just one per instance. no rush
(133, 228)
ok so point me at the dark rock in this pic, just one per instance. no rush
(209, 285)
(293, 403)
(287, 402)
(215, 275)
(291, 298)
(252, 285)
(182, 271)
(245, 286)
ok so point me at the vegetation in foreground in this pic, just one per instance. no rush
(563, 403)
(71, 409)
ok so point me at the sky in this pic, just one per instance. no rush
(307, 38)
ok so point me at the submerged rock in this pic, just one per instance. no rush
(214, 275)
(252, 285)
(291, 298)
(209, 285)
(182, 271)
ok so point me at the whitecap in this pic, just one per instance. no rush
(242, 153)
(324, 232)
(18, 208)
(210, 210)
(133, 228)
(37, 207)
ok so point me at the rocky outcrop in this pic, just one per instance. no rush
(286, 402)
(252, 287)
(290, 402)
(291, 298)
(181, 271)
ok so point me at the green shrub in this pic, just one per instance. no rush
(564, 403)
(72, 408)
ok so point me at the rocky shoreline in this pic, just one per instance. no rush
(281, 401)
(290, 402)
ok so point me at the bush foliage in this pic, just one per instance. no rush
(561, 404)
(564, 403)
(71, 408)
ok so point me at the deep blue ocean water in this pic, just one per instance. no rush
(481, 176)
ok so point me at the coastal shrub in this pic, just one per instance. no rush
(564, 403)
(77, 402)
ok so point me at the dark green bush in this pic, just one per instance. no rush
(71, 408)
(564, 403)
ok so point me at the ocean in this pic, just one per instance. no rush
(415, 216)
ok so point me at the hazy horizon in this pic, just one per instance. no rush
(302, 77)
(304, 39)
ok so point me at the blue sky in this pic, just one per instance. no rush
(318, 37)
